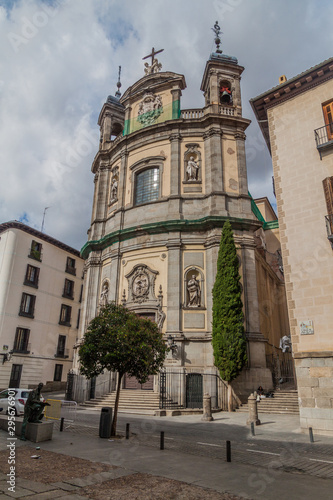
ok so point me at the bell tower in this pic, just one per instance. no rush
(112, 117)
(221, 81)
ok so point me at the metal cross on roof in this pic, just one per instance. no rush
(152, 55)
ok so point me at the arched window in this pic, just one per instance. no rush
(147, 184)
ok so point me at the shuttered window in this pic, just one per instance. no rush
(328, 190)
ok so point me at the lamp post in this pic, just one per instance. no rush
(6, 356)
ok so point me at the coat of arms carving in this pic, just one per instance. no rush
(141, 284)
(150, 109)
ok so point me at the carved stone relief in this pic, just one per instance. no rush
(141, 293)
(141, 284)
(150, 109)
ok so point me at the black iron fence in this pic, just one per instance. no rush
(282, 367)
(182, 388)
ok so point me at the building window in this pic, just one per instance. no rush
(81, 292)
(31, 276)
(21, 342)
(27, 305)
(57, 373)
(78, 318)
(328, 116)
(70, 266)
(62, 352)
(36, 250)
(68, 289)
(147, 184)
(65, 315)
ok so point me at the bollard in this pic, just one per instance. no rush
(207, 408)
(311, 435)
(62, 424)
(162, 441)
(252, 429)
(228, 451)
(253, 410)
(127, 430)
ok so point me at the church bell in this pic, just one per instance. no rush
(225, 97)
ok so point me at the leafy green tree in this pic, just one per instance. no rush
(119, 340)
(228, 339)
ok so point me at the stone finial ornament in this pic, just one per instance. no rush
(217, 31)
(118, 93)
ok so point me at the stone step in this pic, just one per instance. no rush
(283, 402)
(130, 401)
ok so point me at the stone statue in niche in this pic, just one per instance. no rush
(104, 297)
(194, 292)
(114, 189)
(192, 169)
(114, 185)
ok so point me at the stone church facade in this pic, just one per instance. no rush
(166, 180)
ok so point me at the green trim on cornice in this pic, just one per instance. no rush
(272, 224)
(255, 209)
(161, 227)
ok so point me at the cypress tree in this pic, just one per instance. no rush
(228, 338)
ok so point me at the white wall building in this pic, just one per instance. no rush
(40, 296)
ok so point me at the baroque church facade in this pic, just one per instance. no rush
(166, 180)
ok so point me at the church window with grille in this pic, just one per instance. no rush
(147, 186)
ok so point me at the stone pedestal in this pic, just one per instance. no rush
(207, 409)
(34, 432)
(253, 410)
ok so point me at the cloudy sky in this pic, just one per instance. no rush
(59, 61)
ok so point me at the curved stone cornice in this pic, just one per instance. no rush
(175, 137)
(147, 161)
(204, 224)
(240, 135)
(211, 132)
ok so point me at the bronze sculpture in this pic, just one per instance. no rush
(33, 409)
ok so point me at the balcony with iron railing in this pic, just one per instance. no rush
(22, 347)
(324, 138)
(62, 353)
(329, 226)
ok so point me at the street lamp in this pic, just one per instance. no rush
(6, 356)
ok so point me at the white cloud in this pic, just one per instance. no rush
(59, 60)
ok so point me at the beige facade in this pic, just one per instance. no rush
(166, 180)
(295, 121)
(274, 322)
(40, 292)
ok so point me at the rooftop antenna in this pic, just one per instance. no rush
(46, 208)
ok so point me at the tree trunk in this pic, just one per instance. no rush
(230, 406)
(116, 403)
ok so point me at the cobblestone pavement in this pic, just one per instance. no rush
(314, 459)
